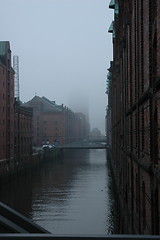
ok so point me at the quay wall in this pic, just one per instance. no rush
(10, 169)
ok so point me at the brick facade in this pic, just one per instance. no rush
(6, 109)
(55, 123)
(133, 114)
(15, 121)
(23, 136)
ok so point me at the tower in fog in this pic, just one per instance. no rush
(79, 102)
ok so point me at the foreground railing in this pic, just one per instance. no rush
(47, 236)
(21, 228)
(13, 222)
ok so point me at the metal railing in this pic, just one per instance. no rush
(17, 227)
(13, 222)
(79, 237)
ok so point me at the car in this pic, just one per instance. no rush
(45, 146)
(51, 146)
(48, 146)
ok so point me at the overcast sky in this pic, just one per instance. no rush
(64, 51)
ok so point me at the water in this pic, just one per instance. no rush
(71, 195)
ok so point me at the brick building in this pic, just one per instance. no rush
(6, 109)
(133, 113)
(23, 136)
(54, 123)
(15, 121)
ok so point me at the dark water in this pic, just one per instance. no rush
(71, 195)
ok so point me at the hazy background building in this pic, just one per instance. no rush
(56, 124)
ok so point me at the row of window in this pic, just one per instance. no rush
(4, 147)
(23, 125)
(3, 84)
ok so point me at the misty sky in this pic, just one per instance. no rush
(64, 50)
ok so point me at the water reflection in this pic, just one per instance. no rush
(67, 196)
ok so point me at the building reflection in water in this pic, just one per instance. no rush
(69, 195)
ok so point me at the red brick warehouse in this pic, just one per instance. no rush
(6, 109)
(23, 119)
(15, 121)
(133, 113)
(55, 123)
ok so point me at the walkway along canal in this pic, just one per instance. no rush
(68, 195)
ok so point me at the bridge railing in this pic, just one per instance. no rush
(13, 222)
(17, 227)
(78, 237)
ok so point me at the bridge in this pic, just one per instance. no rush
(14, 226)
(83, 145)
(13, 222)
(97, 139)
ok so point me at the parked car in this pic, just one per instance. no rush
(48, 146)
(45, 147)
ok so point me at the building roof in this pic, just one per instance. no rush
(112, 4)
(4, 46)
(4, 50)
(54, 106)
(110, 30)
(23, 109)
(45, 104)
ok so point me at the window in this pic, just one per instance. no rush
(136, 192)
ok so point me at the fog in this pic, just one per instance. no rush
(64, 51)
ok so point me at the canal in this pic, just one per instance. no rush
(68, 195)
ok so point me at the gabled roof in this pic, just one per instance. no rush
(59, 107)
(112, 4)
(110, 30)
(51, 104)
(45, 104)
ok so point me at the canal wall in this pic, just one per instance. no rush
(52, 153)
(12, 169)
(120, 215)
